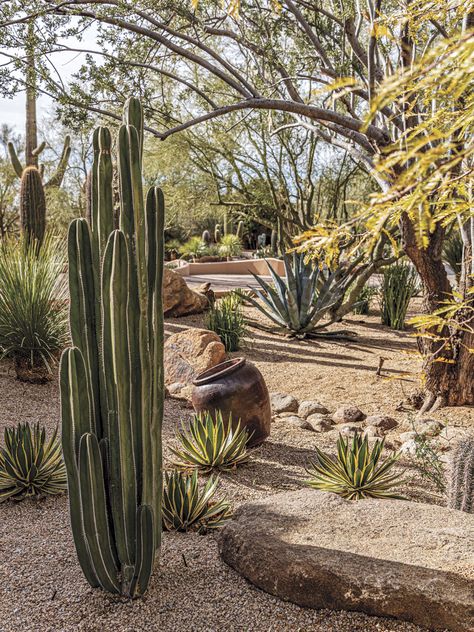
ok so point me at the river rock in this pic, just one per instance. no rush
(310, 407)
(394, 558)
(384, 422)
(348, 415)
(283, 403)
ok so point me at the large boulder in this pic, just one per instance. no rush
(394, 558)
(178, 298)
(190, 352)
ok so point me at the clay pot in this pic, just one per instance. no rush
(235, 387)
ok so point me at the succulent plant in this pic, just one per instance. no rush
(211, 443)
(32, 205)
(226, 319)
(188, 508)
(111, 379)
(230, 246)
(206, 237)
(299, 301)
(400, 284)
(30, 465)
(274, 242)
(217, 233)
(460, 487)
(356, 472)
(240, 230)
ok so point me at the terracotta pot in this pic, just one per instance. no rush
(235, 387)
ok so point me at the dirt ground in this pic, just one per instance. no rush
(41, 586)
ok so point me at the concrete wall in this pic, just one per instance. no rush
(241, 266)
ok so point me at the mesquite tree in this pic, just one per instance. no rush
(324, 64)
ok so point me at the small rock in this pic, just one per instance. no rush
(430, 427)
(384, 422)
(320, 423)
(408, 447)
(283, 403)
(407, 436)
(294, 420)
(373, 432)
(310, 407)
(305, 425)
(348, 415)
(349, 430)
(175, 388)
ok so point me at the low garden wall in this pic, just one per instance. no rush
(241, 266)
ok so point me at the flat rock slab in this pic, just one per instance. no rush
(392, 558)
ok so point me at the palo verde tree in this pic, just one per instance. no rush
(324, 64)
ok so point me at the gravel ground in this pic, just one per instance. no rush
(41, 586)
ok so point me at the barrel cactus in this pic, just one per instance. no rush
(32, 205)
(206, 237)
(111, 379)
(217, 234)
(461, 476)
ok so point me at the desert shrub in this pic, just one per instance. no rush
(230, 246)
(186, 507)
(193, 248)
(362, 305)
(172, 247)
(427, 461)
(400, 284)
(30, 465)
(211, 443)
(356, 472)
(226, 319)
(33, 311)
(299, 301)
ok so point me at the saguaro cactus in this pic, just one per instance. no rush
(32, 205)
(461, 476)
(112, 377)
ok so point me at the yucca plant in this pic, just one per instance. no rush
(230, 246)
(33, 312)
(186, 507)
(400, 284)
(299, 301)
(357, 471)
(30, 465)
(193, 248)
(211, 443)
(226, 319)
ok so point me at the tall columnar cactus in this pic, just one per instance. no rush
(217, 233)
(274, 242)
(56, 179)
(32, 205)
(240, 229)
(112, 385)
(461, 476)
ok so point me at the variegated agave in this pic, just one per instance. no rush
(301, 300)
(211, 443)
(356, 472)
(30, 466)
(185, 507)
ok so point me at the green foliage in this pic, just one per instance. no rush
(30, 465)
(33, 289)
(226, 319)
(400, 284)
(32, 205)
(112, 388)
(453, 253)
(428, 462)
(362, 304)
(211, 443)
(461, 476)
(356, 472)
(300, 300)
(188, 508)
(193, 248)
(230, 245)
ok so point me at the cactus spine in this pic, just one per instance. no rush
(32, 205)
(461, 476)
(111, 379)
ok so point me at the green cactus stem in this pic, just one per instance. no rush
(32, 205)
(111, 379)
(217, 233)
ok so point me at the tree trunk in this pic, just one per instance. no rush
(449, 365)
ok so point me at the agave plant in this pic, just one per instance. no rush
(299, 301)
(33, 312)
(357, 471)
(30, 466)
(211, 443)
(185, 507)
(453, 253)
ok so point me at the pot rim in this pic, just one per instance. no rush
(220, 370)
